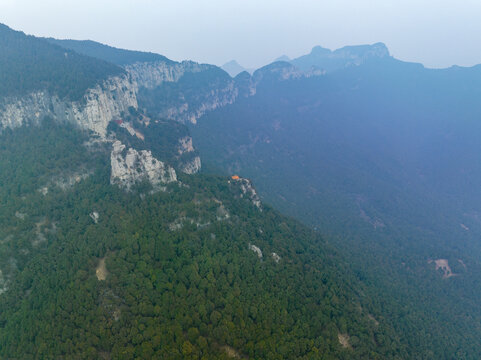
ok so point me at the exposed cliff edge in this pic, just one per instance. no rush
(185, 91)
(94, 112)
(182, 91)
(193, 165)
(152, 74)
(179, 91)
(247, 190)
(190, 112)
(130, 167)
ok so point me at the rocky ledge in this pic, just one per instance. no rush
(129, 167)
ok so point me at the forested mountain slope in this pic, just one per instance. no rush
(92, 271)
(112, 247)
(384, 156)
(107, 53)
(29, 64)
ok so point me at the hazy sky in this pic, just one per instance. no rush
(438, 33)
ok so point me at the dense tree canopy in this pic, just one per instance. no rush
(180, 278)
(29, 64)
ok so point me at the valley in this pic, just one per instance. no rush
(323, 207)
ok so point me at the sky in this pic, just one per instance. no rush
(437, 33)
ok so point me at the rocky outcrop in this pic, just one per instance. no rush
(185, 145)
(105, 103)
(129, 167)
(443, 265)
(95, 216)
(249, 192)
(94, 112)
(191, 167)
(257, 250)
(193, 164)
(276, 257)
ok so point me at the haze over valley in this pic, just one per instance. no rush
(325, 205)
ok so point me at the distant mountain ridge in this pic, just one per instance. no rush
(328, 60)
(108, 53)
(233, 68)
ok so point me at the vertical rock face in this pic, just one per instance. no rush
(129, 167)
(192, 100)
(105, 103)
(113, 97)
(152, 74)
(208, 101)
(98, 107)
(193, 165)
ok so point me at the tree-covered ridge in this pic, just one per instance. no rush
(107, 53)
(29, 64)
(385, 156)
(179, 281)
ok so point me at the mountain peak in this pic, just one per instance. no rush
(283, 58)
(375, 50)
(233, 68)
(328, 60)
(319, 50)
(379, 50)
(232, 63)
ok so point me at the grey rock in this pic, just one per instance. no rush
(132, 166)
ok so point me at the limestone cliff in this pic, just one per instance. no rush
(112, 99)
(182, 91)
(193, 164)
(129, 167)
(213, 99)
(94, 112)
(152, 74)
